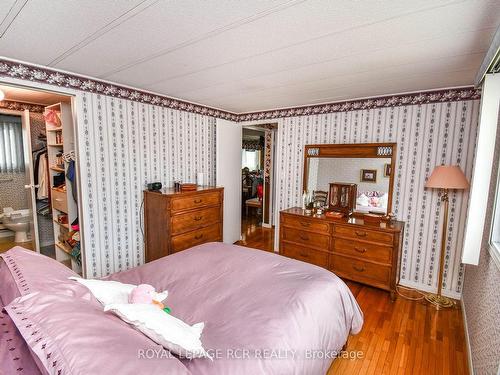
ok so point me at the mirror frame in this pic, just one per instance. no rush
(353, 150)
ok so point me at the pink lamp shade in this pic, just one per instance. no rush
(447, 177)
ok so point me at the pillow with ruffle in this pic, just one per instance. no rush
(363, 200)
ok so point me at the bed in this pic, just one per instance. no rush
(372, 202)
(263, 313)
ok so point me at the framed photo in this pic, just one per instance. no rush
(387, 170)
(368, 175)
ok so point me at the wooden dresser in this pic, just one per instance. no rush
(351, 248)
(175, 221)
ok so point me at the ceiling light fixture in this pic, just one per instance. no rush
(2, 95)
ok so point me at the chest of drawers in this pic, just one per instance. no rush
(175, 221)
(351, 248)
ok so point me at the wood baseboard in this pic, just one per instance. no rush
(467, 342)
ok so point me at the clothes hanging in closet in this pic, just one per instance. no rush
(41, 173)
(43, 183)
(70, 175)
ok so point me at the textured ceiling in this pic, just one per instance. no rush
(242, 56)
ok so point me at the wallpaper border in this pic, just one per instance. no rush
(30, 72)
(54, 77)
(417, 98)
(21, 106)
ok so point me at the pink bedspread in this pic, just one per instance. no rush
(263, 313)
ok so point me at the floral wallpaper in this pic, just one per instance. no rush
(123, 146)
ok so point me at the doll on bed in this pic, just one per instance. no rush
(145, 293)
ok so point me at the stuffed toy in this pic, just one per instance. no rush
(145, 293)
(52, 117)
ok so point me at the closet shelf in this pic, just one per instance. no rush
(61, 224)
(60, 141)
(63, 247)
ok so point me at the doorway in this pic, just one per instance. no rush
(17, 221)
(35, 129)
(257, 187)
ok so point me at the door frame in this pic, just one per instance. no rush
(73, 94)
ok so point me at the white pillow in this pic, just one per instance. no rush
(108, 292)
(362, 200)
(172, 333)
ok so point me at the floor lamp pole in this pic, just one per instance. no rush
(438, 300)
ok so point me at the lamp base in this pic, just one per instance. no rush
(440, 302)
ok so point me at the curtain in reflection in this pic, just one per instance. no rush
(11, 144)
(251, 160)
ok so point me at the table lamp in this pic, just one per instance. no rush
(445, 178)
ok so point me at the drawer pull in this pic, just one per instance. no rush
(198, 218)
(360, 233)
(360, 250)
(198, 236)
(304, 238)
(196, 201)
(359, 269)
(305, 224)
(305, 255)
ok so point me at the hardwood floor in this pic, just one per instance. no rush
(254, 235)
(401, 337)
(8, 242)
(404, 337)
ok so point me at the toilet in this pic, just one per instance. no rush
(18, 222)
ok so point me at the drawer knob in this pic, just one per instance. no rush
(360, 233)
(303, 237)
(196, 201)
(198, 236)
(198, 218)
(360, 250)
(305, 224)
(359, 269)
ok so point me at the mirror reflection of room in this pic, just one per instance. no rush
(368, 178)
(252, 167)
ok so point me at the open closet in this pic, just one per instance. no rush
(62, 187)
(39, 190)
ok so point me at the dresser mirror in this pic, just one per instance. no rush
(358, 178)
